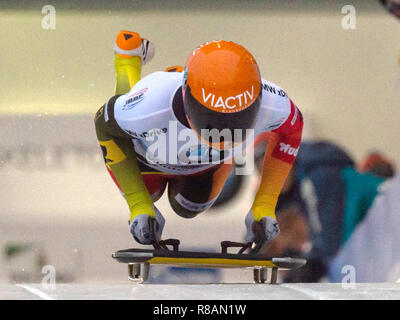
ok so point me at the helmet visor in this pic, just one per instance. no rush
(220, 130)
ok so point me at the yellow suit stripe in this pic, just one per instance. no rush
(127, 73)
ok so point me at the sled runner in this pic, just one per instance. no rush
(139, 260)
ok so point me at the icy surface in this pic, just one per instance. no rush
(208, 291)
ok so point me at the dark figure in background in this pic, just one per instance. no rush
(377, 164)
(393, 6)
(323, 200)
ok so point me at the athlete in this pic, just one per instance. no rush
(153, 132)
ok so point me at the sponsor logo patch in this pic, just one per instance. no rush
(285, 152)
(146, 134)
(134, 99)
(230, 103)
(274, 90)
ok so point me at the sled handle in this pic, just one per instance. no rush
(162, 244)
(231, 244)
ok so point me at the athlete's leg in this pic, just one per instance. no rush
(155, 181)
(190, 195)
(131, 51)
(127, 67)
(155, 184)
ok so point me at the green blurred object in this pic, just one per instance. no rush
(13, 249)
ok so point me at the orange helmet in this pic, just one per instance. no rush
(221, 90)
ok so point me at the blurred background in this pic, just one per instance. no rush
(58, 205)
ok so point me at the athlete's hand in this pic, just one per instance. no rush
(146, 229)
(261, 231)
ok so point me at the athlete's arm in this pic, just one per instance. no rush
(282, 147)
(117, 147)
(120, 159)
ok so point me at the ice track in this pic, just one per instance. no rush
(317, 291)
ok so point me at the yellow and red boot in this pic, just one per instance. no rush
(130, 44)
